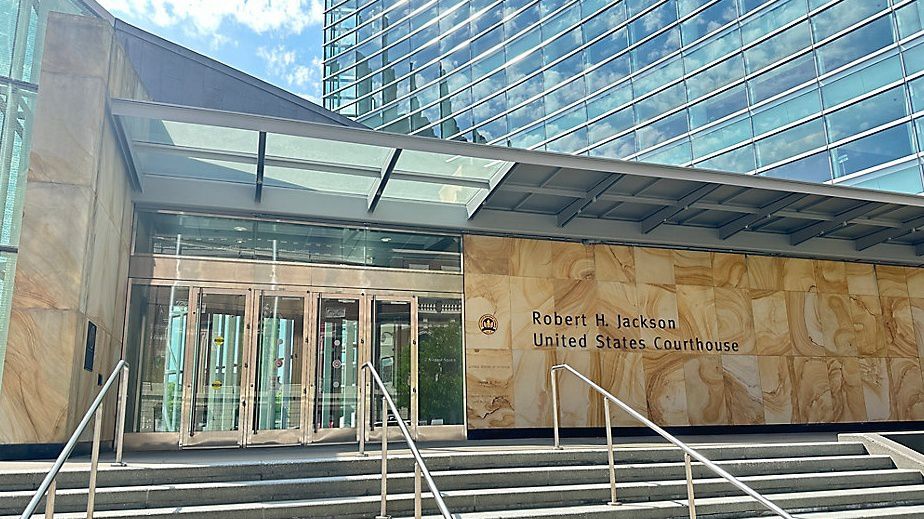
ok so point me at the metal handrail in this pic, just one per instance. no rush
(688, 452)
(419, 466)
(95, 412)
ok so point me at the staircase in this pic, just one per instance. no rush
(815, 480)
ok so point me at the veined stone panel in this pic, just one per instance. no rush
(688, 337)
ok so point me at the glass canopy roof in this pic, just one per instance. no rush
(169, 148)
(319, 171)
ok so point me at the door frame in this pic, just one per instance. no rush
(368, 391)
(293, 435)
(233, 438)
(314, 434)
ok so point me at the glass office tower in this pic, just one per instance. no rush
(22, 33)
(817, 90)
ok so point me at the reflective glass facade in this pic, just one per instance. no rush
(22, 32)
(825, 91)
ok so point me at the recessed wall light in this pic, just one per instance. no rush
(240, 228)
(386, 239)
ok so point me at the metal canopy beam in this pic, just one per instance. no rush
(888, 234)
(919, 249)
(261, 166)
(127, 152)
(745, 222)
(309, 165)
(388, 168)
(478, 201)
(840, 220)
(178, 113)
(572, 210)
(664, 214)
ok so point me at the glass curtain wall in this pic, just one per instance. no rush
(22, 33)
(818, 90)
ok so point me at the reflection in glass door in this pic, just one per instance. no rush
(337, 365)
(221, 341)
(277, 381)
(393, 343)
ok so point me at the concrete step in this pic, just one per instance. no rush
(521, 498)
(134, 475)
(822, 503)
(149, 496)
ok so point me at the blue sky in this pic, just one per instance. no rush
(275, 40)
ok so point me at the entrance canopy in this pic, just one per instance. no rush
(213, 161)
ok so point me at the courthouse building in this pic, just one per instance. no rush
(246, 251)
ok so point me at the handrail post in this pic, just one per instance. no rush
(382, 511)
(120, 417)
(554, 375)
(690, 498)
(50, 500)
(94, 462)
(418, 507)
(361, 423)
(609, 451)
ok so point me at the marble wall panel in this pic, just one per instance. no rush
(487, 294)
(666, 388)
(846, 382)
(892, 281)
(705, 389)
(696, 311)
(533, 391)
(907, 389)
(531, 258)
(915, 279)
(771, 322)
(765, 272)
(743, 393)
(861, 279)
(654, 266)
(814, 400)
(614, 263)
(580, 405)
(730, 270)
(617, 299)
(817, 342)
(899, 326)
(917, 317)
(866, 314)
(734, 318)
(837, 325)
(831, 277)
(490, 389)
(528, 295)
(798, 274)
(805, 326)
(572, 260)
(693, 268)
(623, 375)
(487, 254)
(874, 372)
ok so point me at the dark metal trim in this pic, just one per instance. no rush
(379, 186)
(126, 151)
(572, 210)
(842, 219)
(10, 249)
(878, 237)
(478, 202)
(745, 222)
(662, 215)
(261, 167)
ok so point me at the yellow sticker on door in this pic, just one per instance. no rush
(216, 384)
(219, 341)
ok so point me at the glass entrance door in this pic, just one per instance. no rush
(215, 403)
(340, 343)
(394, 355)
(276, 374)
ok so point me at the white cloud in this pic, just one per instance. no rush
(207, 16)
(283, 63)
